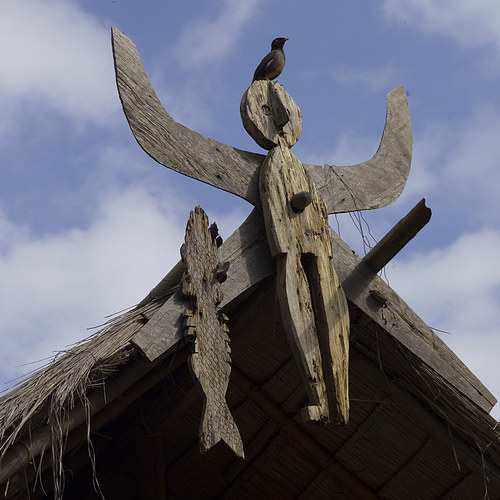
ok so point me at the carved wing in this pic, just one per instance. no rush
(372, 184)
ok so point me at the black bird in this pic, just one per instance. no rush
(272, 65)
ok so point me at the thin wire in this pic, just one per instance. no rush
(356, 215)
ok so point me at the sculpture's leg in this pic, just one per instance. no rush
(299, 321)
(332, 326)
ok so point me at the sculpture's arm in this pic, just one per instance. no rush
(377, 182)
(371, 184)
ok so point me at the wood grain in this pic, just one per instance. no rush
(210, 362)
(371, 184)
(265, 111)
(399, 236)
(251, 262)
(247, 251)
(170, 143)
(313, 305)
(379, 181)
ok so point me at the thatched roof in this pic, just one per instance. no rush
(33, 415)
(104, 418)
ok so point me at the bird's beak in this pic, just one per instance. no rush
(287, 39)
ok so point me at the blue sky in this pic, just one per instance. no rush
(89, 223)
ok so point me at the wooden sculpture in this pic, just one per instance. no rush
(313, 305)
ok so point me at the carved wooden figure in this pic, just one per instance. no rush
(371, 184)
(295, 200)
(313, 305)
(206, 325)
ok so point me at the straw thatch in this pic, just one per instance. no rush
(49, 395)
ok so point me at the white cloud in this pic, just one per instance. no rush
(58, 57)
(430, 149)
(474, 163)
(375, 80)
(457, 289)
(207, 40)
(53, 288)
(449, 278)
(471, 23)
(456, 164)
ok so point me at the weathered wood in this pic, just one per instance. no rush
(364, 186)
(370, 184)
(164, 330)
(313, 305)
(210, 362)
(266, 110)
(170, 143)
(396, 239)
(400, 322)
(377, 182)
(251, 262)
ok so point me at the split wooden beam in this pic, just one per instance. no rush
(313, 305)
(206, 326)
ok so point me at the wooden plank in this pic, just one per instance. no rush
(251, 262)
(364, 186)
(313, 306)
(247, 251)
(400, 322)
(170, 143)
(164, 331)
(210, 362)
(396, 239)
(379, 181)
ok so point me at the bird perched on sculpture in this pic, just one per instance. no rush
(272, 65)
